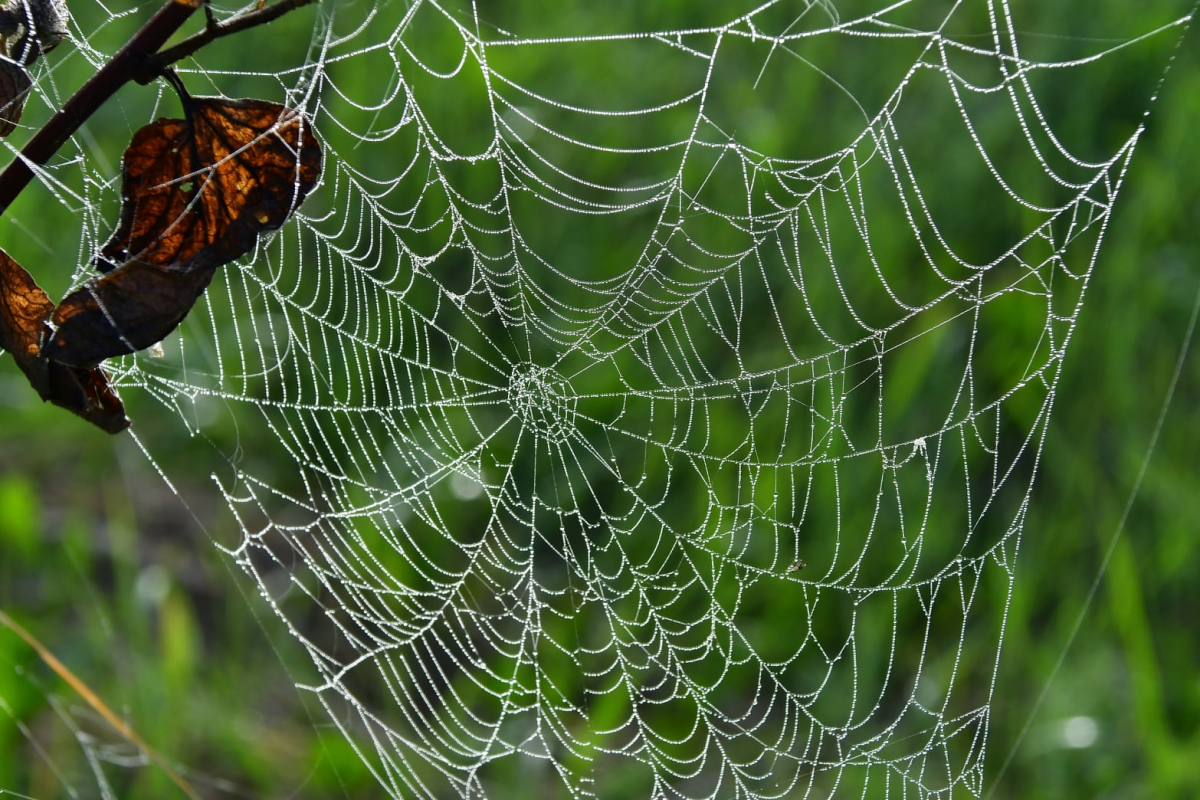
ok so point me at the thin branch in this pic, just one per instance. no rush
(211, 33)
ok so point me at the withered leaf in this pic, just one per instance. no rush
(129, 309)
(14, 88)
(197, 192)
(87, 393)
(24, 309)
(34, 27)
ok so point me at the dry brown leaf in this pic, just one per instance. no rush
(14, 89)
(24, 310)
(129, 309)
(33, 27)
(197, 192)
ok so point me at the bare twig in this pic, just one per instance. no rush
(215, 31)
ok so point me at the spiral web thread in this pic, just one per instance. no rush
(650, 406)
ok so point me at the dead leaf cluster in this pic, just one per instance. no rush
(196, 194)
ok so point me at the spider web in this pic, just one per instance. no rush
(648, 402)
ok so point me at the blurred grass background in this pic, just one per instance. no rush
(101, 561)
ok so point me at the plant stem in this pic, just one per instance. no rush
(215, 31)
